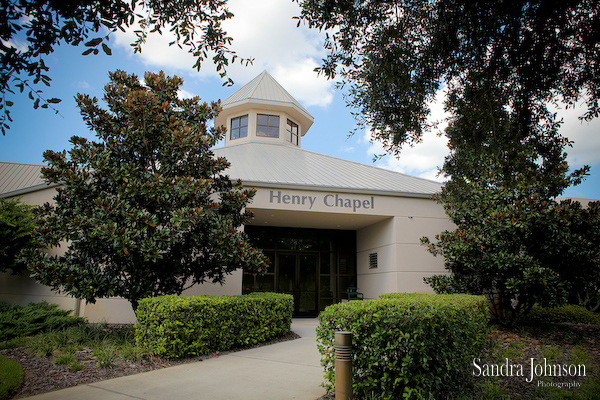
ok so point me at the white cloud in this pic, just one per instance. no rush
(585, 135)
(18, 44)
(264, 31)
(184, 94)
(301, 82)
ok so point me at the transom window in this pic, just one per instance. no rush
(267, 125)
(292, 132)
(239, 127)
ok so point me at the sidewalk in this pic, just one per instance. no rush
(286, 370)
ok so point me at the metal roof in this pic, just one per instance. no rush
(269, 165)
(17, 179)
(263, 88)
(280, 166)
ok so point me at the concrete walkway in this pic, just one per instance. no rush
(286, 370)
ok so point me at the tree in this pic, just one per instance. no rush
(43, 25)
(395, 55)
(146, 210)
(16, 234)
(503, 63)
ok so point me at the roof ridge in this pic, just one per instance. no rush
(20, 163)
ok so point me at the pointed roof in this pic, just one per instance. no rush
(266, 90)
(279, 166)
(266, 93)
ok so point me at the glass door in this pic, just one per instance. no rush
(297, 275)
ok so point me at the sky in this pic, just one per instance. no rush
(266, 32)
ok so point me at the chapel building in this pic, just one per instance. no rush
(329, 226)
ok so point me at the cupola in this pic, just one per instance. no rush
(263, 111)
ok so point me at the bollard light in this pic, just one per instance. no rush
(343, 366)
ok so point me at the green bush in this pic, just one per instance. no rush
(406, 344)
(569, 313)
(11, 376)
(17, 321)
(175, 326)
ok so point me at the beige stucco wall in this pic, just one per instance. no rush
(390, 226)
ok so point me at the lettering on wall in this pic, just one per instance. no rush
(329, 200)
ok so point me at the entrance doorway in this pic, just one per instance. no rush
(298, 277)
(315, 266)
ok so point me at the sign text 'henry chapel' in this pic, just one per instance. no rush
(329, 200)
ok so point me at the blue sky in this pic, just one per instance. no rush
(266, 32)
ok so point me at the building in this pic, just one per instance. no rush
(327, 224)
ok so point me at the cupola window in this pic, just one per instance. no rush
(267, 125)
(292, 132)
(239, 127)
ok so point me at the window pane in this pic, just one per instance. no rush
(238, 125)
(262, 130)
(274, 120)
(328, 263)
(273, 132)
(263, 119)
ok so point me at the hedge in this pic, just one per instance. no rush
(569, 313)
(176, 326)
(406, 345)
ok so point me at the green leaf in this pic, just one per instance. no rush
(94, 42)
(106, 49)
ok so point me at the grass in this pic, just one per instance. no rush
(107, 344)
(11, 376)
(45, 331)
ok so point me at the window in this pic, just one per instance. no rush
(239, 127)
(267, 125)
(292, 132)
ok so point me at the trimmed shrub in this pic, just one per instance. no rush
(11, 376)
(406, 345)
(569, 313)
(17, 321)
(176, 326)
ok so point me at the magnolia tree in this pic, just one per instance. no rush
(146, 209)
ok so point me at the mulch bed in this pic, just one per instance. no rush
(41, 375)
(535, 342)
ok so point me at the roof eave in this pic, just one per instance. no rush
(337, 189)
(31, 189)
